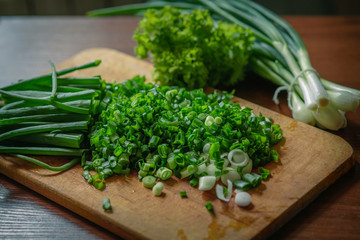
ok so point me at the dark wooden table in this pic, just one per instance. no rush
(27, 43)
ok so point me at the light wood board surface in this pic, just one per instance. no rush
(310, 161)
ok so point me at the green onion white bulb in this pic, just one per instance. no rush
(242, 199)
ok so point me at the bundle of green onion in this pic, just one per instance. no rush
(49, 115)
(279, 55)
(161, 131)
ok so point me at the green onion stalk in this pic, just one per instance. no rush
(279, 55)
(50, 115)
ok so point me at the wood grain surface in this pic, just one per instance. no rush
(310, 161)
(27, 43)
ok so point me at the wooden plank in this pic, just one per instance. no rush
(310, 160)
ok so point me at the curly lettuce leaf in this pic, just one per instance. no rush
(191, 49)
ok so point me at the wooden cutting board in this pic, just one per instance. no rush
(310, 160)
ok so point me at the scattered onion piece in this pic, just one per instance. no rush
(158, 188)
(211, 169)
(242, 199)
(220, 191)
(232, 175)
(206, 183)
(240, 159)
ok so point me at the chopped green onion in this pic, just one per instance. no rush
(158, 188)
(206, 148)
(87, 176)
(206, 183)
(194, 182)
(183, 194)
(209, 121)
(209, 206)
(211, 170)
(242, 199)
(240, 160)
(252, 178)
(142, 174)
(201, 168)
(149, 181)
(106, 205)
(175, 139)
(224, 193)
(98, 181)
(243, 185)
(264, 173)
(154, 141)
(189, 170)
(231, 174)
(163, 173)
(214, 151)
(171, 162)
(218, 120)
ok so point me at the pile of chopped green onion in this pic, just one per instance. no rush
(49, 115)
(165, 131)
